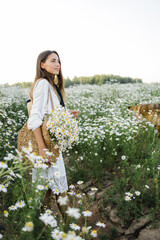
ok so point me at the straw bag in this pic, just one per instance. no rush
(25, 135)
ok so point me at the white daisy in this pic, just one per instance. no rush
(3, 165)
(28, 227)
(127, 198)
(74, 226)
(94, 189)
(79, 182)
(20, 204)
(2, 188)
(93, 233)
(137, 193)
(5, 213)
(100, 224)
(12, 208)
(71, 186)
(56, 234)
(56, 191)
(57, 174)
(123, 157)
(40, 187)
(62, 200)
(73, 212)
(87, 213)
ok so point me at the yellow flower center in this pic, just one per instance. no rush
(29, 224)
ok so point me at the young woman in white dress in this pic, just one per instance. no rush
(48, 67)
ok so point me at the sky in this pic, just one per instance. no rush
(120, 37)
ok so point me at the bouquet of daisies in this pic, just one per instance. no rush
(63, 128)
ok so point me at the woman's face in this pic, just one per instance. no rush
(52, 64)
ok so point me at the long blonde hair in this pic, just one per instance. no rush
(42, 73)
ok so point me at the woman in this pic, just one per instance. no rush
(47, 70)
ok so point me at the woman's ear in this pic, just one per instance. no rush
(42, 65)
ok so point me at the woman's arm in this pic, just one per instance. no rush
(40, 141)
(41, 145)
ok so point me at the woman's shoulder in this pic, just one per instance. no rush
(42, 82)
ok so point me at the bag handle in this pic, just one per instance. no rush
(49, 93)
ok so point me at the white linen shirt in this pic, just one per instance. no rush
(40, 97)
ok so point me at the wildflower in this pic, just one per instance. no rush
(18, 175)
(57, 174)
(1, 236)
(100, 224)
(20, 204)
(40, 187)
(74, 226)
(138, 166)
(94, 189)
(129, 194)
(71, 186)
(94, 233)
(123, 157)
(3, 165)
(56, 234)
(71, 193)
(9, 157)
(2, 188)
(78, 195)
(87, 213)
(146, 186)
(79, 182)
(137, 193)
(48, 220)
(127, 198)
(5, 213)
(48, 212)
(28, 227)
(73, 212)
(12, 207)
(80, 201)
(56, 191)
(62, 200)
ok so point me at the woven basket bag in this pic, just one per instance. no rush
(25, 135)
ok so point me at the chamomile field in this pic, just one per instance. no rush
(112, 143)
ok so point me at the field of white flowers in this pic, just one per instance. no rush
(112, 142)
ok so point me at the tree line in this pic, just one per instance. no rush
(96, 79)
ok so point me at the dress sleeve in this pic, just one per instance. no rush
(40, 97)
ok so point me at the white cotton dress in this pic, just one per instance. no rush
(40, 101)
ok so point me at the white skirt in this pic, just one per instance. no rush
(58, 184)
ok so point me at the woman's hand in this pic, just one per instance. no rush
(42, 153)
(74, 113)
